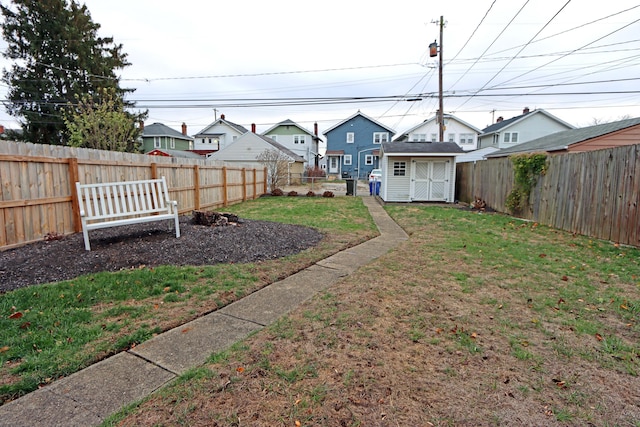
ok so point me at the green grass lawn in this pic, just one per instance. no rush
(53, 330)
(477, 319)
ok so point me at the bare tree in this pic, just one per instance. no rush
(277, 164)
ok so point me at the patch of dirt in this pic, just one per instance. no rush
(151, 244)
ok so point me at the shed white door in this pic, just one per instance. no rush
(429, 180)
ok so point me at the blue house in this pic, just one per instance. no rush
(353, 146)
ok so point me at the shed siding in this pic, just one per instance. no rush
(396, 187)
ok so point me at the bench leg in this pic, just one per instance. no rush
(85, 233)
(177, 221)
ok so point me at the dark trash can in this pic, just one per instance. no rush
(351, 187)
(345, 174)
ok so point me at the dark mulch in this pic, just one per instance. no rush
(151, 244)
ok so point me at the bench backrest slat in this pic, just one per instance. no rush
(112, 200)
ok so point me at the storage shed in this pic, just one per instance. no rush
(419, 171)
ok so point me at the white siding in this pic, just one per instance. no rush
(395, 188)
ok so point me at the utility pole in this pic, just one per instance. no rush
(433, 51)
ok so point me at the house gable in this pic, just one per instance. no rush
(297, 139)
(456, 130)
(160, 136)
(359, 138)
(517, 130)
(218, 135)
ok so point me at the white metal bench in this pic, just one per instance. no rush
(114, 204)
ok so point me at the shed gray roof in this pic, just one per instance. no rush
(159, 129)
(562, 140)
(422, 148)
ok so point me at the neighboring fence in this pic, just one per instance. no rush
(594, 193)
(38, 195)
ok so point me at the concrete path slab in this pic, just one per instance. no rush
(190, 345)
(88, 397)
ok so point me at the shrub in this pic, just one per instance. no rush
(327, 194)
(311, 194)
(292, 193)
(277, 192)
(314, 172)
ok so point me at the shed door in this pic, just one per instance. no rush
(429, 179)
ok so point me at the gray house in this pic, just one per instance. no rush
(525, 127)
(598, 137)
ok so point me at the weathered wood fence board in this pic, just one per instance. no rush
(37, 185)
(592, 193)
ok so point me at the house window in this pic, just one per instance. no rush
(466, 138)
(347, 159)
(368, 159)
(419, 137)
(399, 168)
(452, 137)
(351, 137)
(298, 139)
(380, 137)
(156, 142)
(173, 143)
(434, 137)
(510, 137)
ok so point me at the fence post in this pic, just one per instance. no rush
(265, 177)
(255, 183)
(154, 171)
(225, 199)
(75, 207)
(244, 184)
(196, 184)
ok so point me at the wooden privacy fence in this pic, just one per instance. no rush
(38, 196)
(593, 193)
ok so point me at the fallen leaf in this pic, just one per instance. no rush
(298, 424)
(185, 330)
(624, 307)
(15, 315)
(297, 402)
(474, 336)
(599, 337)
(4, 349)
(25, 325)
(565, 278)
(439, 330)
(542, 255)
(240, 369)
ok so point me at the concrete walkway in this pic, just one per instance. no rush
(88, 397)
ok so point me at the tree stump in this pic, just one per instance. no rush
(214, 219)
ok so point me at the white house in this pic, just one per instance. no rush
(419, 171)
(455, 130)
(525, 127)
(217, 136)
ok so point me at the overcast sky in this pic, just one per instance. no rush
(196, 59)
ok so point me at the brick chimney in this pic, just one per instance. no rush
(500, 119)
(221, 116)
(184, 129)
(526, 110)
(253, 127)
(315, 129)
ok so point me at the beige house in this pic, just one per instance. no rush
(247, 147)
